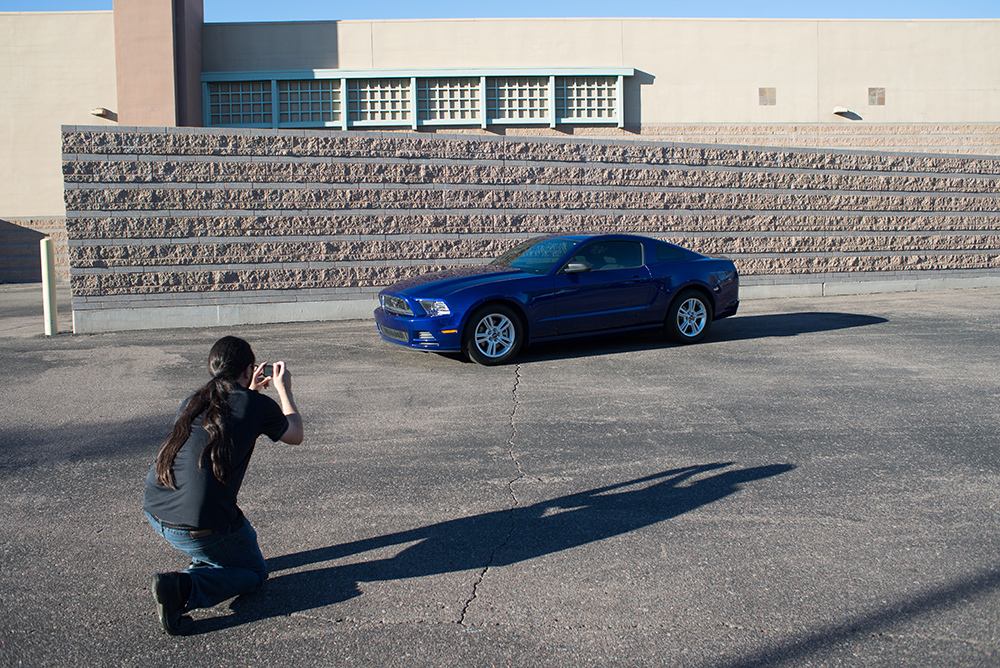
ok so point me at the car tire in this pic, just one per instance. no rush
(493, 335)
(689, 318)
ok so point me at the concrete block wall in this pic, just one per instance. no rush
(973, 139)
(951, 138)
(173, 227)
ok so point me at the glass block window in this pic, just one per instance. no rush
(410, 98)
(448, 99)
(518, 98)
(586, 97)
(374, 101)
(767, 97)
(240, 103)
(876, 97)
(314, 101)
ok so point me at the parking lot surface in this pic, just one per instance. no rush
(817, 483)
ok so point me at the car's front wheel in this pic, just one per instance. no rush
(493, 336)
(689, 318)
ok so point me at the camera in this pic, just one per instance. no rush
(268, 370)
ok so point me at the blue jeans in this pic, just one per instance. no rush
(223, 565)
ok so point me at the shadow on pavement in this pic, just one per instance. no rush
(737, 328)
(742, 328)
(488, 540)
(794, 650)
(27, 448)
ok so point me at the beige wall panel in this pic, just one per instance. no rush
(709, 71)
(932, 71)
(354, 42)
(471, 43)
(239, 47)
(54, 68)
(701, 71)
(497, 43)
(144, 44)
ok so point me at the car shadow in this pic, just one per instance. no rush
(487, 540)
(738, 328)
(742, 328)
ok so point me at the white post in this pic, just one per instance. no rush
(49, 287)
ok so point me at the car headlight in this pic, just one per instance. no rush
(434, 307)
(395, 305)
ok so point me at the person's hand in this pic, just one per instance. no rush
(259, 380)
(282, 378)
(283, 384)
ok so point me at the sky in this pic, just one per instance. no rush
(223, 11)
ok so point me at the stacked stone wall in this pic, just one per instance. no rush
(196, 217)
(951, 138)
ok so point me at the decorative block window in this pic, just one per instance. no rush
(392, 98)
(586, 97)
(767, 97)
(240, 103)
(379, 101)
(876, 97)
(518, 98)
(440, 99)
(311, 102)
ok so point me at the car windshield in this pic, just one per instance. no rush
(536, 256)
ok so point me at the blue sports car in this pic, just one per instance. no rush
(560, 287)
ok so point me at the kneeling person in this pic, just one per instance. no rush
(191, 491)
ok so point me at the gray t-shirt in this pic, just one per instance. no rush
(200, 500)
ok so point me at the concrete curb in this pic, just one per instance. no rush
(116, 320)
(113, 320)
(842, 288)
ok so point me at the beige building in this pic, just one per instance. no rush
(54, 69)
(687, 71)
(926, 86)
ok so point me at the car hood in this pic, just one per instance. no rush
(451, 280)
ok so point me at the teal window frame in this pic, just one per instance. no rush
(359, 99)
(319, 99)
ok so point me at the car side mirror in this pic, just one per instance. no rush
(576, 268)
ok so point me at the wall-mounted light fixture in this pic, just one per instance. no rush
(101, 112)
(844, 112)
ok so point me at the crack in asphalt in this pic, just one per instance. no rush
(510, 490)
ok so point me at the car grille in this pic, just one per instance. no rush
(394, 334)
(393, 304)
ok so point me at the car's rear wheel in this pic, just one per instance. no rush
(494, 335)
(690, 317)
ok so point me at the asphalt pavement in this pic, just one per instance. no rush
(816, 484)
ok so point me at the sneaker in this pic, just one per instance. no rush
(169, 603)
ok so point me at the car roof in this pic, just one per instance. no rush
(591, 236)
(580, 236)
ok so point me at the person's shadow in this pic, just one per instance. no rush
(491, 539)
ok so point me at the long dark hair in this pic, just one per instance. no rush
(227, 361)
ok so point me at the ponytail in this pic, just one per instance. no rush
(228, 359)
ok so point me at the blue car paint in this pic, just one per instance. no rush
(616, 300)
